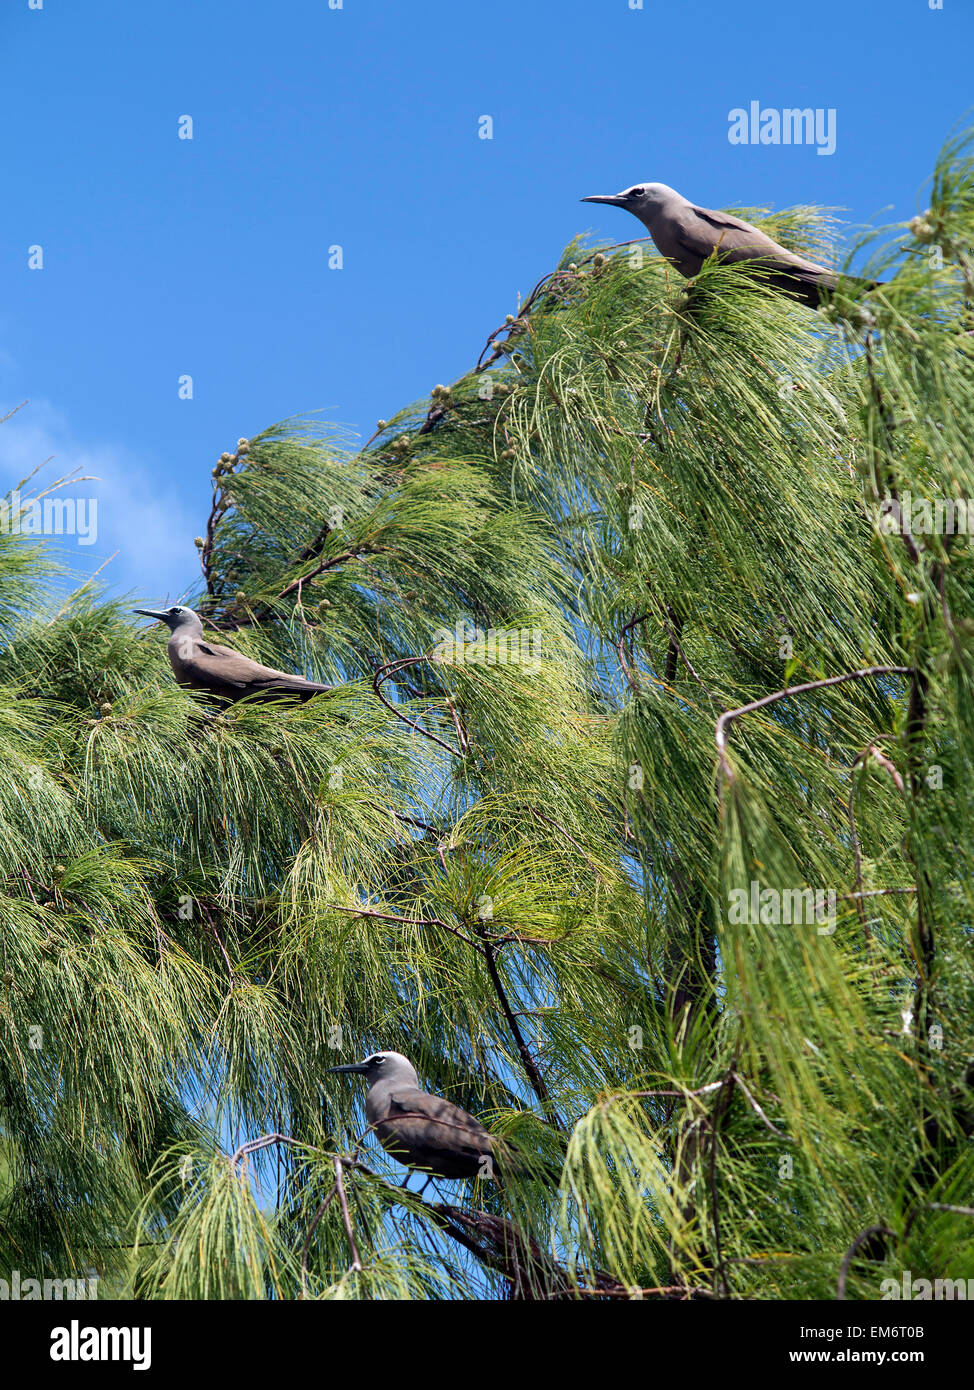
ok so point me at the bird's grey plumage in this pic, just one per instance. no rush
(687, 235)
(422, 1130)
(204, 665)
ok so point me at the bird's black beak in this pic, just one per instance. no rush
(616, 200)
(359, 1067)
(151, 613)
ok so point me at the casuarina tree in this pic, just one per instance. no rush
(640, 819)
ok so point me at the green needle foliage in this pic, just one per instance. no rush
(641, 820)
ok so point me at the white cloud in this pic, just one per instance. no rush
(139, 515)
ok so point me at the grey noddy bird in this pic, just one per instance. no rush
(686, 235)
(425, 1131)
(204, 665)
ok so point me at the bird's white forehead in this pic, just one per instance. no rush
(660, 190)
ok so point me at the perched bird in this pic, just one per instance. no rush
(686, 235)
(422, 1130)
(203, 665)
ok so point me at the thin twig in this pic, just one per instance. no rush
(721, 1105)
(850, 1254)
(872, 893)
(729, 715)
(675, 633)
(677, 1292)
(661, 1091)
(773, 1128)
(554, 277)
(265, 1140)
(632, 678)
(390, 669)
(346, 1217)
(875, 754)
(405, 921)
(933, 1206)
(530, 1066)
(323, 1207)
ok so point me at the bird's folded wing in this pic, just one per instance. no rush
(702, 231)
(230, 666)
(236, 669)
(461, 1128)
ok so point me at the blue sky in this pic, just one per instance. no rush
(358, 127)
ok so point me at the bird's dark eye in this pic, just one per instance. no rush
(174, 610)
(636, 192)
